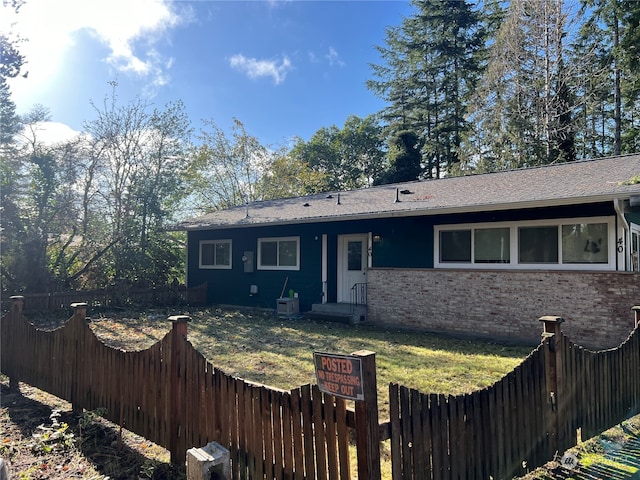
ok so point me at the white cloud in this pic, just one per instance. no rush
(334, 58)
(128, 29)
(50, 133)
(255, 68)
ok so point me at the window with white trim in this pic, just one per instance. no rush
(281, 253)
(579, 243)
(215, 254)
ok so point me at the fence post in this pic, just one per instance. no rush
(367, 428)
(636, 315)
(554, 373)
(17, 304)
(177, 442)
(78, 389)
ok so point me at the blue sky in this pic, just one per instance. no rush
(283, 68)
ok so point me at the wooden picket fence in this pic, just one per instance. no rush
(171, 395)
(536, 411)
(111, 297)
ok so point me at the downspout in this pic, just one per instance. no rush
(325, 259)
(625, 238)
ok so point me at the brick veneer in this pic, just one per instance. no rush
(596, 306)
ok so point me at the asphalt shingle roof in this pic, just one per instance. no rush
(567, 183)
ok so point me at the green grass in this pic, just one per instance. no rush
(279, 352)
(258, 346)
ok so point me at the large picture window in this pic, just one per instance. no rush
(585, 243)
(215, 254)
(570, 244)
(279, 253)
(492, 245)
(538, 244)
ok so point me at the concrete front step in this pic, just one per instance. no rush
(338, 312)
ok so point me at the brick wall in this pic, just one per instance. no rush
(596, 306)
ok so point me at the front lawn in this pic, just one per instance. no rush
(260, 347)
(256, 346)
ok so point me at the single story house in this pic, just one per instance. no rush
(481, 254)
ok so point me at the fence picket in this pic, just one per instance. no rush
(297, 419)
(408, 437)
(331, 443)
(416, 455)
(287, 436)
(306, 406)
(396, 433)
(343, 439)
(457, 451)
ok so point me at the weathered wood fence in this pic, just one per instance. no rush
(171, 395)
(520, 422)
(112, 297)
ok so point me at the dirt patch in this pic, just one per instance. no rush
(43, 439)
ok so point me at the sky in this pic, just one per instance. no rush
(284, 69)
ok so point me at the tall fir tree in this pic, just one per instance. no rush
(432, 63)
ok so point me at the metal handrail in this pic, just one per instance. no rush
(358, 295)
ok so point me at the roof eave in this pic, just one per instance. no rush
(420, 212)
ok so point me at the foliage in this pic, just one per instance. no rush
(225, 170)
(523, 108)
(513, 84)
(11, 60)
(432, 64)
(347, 158)
(56, 436)
(96, 209)
(288, 176)
(632, 181)
(404, 158)
(137, 160)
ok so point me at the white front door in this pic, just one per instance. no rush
(352, 263)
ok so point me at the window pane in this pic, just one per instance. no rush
(585, 243)
(206, 253)
(538, 244)
(269, 254)
(455, 246)
(354, 255)
(491, 245)
(223, 253)
(288, 253)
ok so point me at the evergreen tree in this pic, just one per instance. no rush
(604, 55)
(524, 109)
(433, 62)
(404, 158)
(591, 54)
(11, 187)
